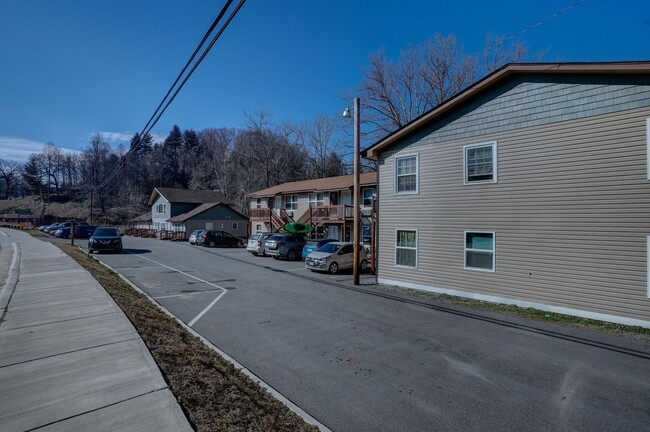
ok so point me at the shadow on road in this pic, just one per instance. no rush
(137, 251)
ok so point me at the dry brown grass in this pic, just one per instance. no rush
(214, 395)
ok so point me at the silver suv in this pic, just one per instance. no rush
(335, 256)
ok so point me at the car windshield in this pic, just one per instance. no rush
(275, 237)
(106, 232)
(330, 248)
(256, 236)
(312, 243)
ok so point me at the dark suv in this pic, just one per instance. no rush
(220, 238)
(287, 246)
(105, 238)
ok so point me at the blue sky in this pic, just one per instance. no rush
(73, 68)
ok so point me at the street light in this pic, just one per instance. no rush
(355, 242)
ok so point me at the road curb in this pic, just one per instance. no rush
(292, 406)
(7, 291)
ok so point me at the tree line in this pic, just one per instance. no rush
(264, 153)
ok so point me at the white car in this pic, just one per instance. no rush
(256, 243)
(335, 256)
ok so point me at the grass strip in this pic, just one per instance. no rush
(627, 331)
(214, 395)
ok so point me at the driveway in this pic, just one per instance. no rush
(359, 359)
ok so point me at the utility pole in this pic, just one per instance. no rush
(356, 242)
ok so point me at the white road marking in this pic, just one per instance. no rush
(186, 294)
(3, 234)
(196, 318)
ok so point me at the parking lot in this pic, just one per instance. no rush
(358, 359)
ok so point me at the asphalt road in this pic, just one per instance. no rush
(363, 360)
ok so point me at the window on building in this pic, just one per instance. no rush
(221, 225)
(367, 197)
(316, 199)
(406, 248)
(481, 163)
(479, 251)
(258, 203)
(258, 228)
(161, 208)
(406, 174)
(235, 225)
(291, 202)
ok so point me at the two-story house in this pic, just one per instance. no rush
(531, 187)
(183, 210)
(326, 203)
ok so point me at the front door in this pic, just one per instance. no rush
(271, 202)
(334, 198)
(333, 232)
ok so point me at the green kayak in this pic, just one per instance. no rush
(298, 228)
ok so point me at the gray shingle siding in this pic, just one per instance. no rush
(534, 100)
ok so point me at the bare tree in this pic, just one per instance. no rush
(10, 175)
(318, 140)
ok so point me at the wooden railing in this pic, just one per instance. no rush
(331, 213)
(267, 215)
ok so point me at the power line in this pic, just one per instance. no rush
(529, 28)
(155, 117)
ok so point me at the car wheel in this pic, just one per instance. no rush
(255, 253)
(212, 244)
(334, 268)
(119, 250)
(364, 265)
(90, 251)
(292, 255)
(276, 257)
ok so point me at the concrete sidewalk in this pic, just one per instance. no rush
(69, 357)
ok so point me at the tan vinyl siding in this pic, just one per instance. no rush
(570, 209)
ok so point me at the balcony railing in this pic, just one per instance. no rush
(331, 213)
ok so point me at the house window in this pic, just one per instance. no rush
(291, 202)
(315, 199)
(258, 228)
(258, 203)
(479, 250)
(367, 197)
(480, 163)
(235, 225)
(221, 225)
(406, 248)
(406, 174)
(161, 208)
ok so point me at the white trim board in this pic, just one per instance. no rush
(521, 303)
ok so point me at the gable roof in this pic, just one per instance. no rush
(146, 217)
(495, 77)
(200, 209)
(174, 195)
(317, 185)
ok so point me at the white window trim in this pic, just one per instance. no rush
(647, 132)
(362, 197)
(316, 200)
(417, 243)
(285, 201)
(494, 251)
(494, 162)
(417, 174)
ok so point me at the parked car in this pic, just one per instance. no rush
(194, 236)
(287, 246)
(257, 243)
(52, 228)
(314, 245)
(105, 238)
(220, 238)
(59, 226)
(200, 238)
(81, 231)
(335, 256)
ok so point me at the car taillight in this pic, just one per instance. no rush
(259, 243)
